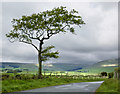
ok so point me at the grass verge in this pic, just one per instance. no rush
(19, 85)
(109, 85)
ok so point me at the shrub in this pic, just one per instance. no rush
(5, 76)
(103, 73)
(110, 75)
(18, 76)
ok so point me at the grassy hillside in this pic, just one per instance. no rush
(11, 65)
(110, 62)
(63, 67)
(46, 67)
(103, 66)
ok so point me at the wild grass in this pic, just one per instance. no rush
(109, 85)
(9, 85)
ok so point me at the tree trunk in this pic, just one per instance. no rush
(40, 61)
(40, 67)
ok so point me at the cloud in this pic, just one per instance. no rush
(96, 40)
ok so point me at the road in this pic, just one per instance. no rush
(74, 87)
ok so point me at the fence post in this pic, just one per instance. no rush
(115, 75)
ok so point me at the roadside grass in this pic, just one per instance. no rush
(109, 85)
(19, 85)
(0, 86)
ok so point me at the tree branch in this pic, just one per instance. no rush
(66, 26)
(37, 35)
(29, 35)
(30, 43)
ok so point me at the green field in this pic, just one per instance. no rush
(56, 73)
(98, 70)
(13, 83)
(79, 69)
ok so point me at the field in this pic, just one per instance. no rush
(29, 80)
(97, 70)
(25, 82)
(102, 66)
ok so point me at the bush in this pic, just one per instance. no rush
(5, 76)
(110, 75)
(103, 73)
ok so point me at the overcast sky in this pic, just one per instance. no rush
(95, 41)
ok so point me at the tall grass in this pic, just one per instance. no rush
(19, 85)
(109, 85)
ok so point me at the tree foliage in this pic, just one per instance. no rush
(103, 73)
(46, 53)
(43, 25)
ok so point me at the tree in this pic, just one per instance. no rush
(42, 26)
(103, 73)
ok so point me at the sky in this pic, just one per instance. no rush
(95, 41)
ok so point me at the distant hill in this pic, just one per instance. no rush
(107, 66)
(63, 66)
(13, 65)
(46, 67)
(106, 63)
(102, 66)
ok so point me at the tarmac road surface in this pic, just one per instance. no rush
(73, 87)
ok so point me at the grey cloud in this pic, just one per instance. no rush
(95, 41)
(105, 6)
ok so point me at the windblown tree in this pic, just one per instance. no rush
(42, 26)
